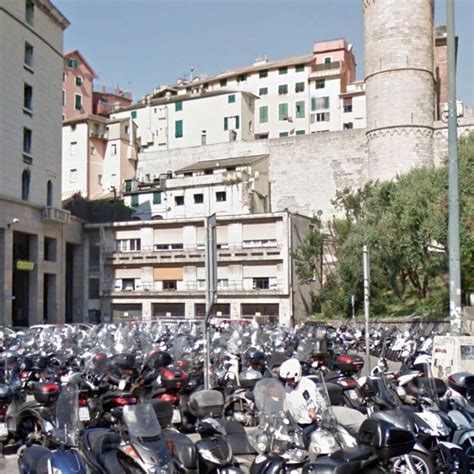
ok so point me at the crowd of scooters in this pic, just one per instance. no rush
(130, 398)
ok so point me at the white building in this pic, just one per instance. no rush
(224, 187)
(155, 269)
(98, 155)
(39, 241)
(165, 121)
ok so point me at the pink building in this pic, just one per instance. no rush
(78, 80)
(106, 100)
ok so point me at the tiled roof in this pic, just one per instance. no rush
(221, 163)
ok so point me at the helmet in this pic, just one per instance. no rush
(99, 360)
(291, 369)
(158, 359)
(257, 360)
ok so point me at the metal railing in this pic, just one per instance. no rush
(326, 66)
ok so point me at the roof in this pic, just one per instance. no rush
(85, 118)
(182, 97)
(83, 59)
(222, 163)
(306, 58)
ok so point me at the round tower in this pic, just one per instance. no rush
(399, 80)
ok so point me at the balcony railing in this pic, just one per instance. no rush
(326, 69)
(56, 215)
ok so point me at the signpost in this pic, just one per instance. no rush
(366, 307)
(211, 288)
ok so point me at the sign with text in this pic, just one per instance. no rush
(25, 265)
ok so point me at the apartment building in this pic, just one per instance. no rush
(166, 121)
(224, 187)
(40, 243)
(78, 79)
(155, 269)
(98, 155)
(107, 99)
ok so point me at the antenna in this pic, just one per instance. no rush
(191, 74)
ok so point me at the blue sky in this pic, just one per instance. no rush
(140, 44)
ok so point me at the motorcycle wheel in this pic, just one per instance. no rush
(421, 461)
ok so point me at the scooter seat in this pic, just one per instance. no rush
(101, 440)
(357, 453)
(184, 450)
(333, 466)
(35, 460)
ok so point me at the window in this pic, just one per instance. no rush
(261, 283)
(134, 200)
(178, 106)
(25, 185)
(49, 193)
(300, 109)
(73, 175)
(299, 87)
(72, 63)
(231, 98)
(282, 111)
(170, 285)
(223, 82)
(228, 122)
(29, 12)
(179, 200)
(28, 55)
(283, 70)
(157, 198)
(49, 249)
(241, 77)
(220, 196)
(78, 81)
(347, 108)
(322, 117)
(99, 179)
(128, 284)
(222, 283)
(203, 138)
(113, 151)
(73, 148)
(263, 111)
(263, 74)
(327, 60)
(78, 102)
(263, 91)
(283, 134)
(27, 138)
(127, 245)
(321, 103)
(283, 89)
(128, 185)
(28, 97)
(320, 83)
(300, 132)
(133, 114)
(198, 198)
(299, 68)
(178, 129)
(94, 288)
(64, 97)
(348, 126)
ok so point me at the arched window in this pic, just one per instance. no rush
(25, 185)
(49, 194)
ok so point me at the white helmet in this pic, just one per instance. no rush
(291, 369)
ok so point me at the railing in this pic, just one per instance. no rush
(176, 247)
(101, 135)
(326, 66)
(56, 215)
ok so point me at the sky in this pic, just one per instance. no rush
(141, 44)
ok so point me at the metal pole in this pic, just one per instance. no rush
(453, 225)
(211, 289)
(366, 308)
(353, 309)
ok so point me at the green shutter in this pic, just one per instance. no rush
(226, 123)
(134, 114)
(283, 70)
(78, 102)
(299, 87)
(282, 111)
(283, 134)
(157, 198)
(178, 106)
(300, 109)
(128, 185)
(263, 91)
(178, 129)
(300, 132)
(135, 200)
(237, 122)
(231, 98)
(299, 68)
(313, 103)
(264, 114)
(283, 89)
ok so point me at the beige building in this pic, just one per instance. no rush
(39, 242)
(155, 269)
(98, 155)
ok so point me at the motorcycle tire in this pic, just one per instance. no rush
(421, 461)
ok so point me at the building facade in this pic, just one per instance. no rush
(40, 244)
(155, 269)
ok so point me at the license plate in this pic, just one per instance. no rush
(353, 395)
(84, 414)
(122, 384)
(3, 430)
(176, 416)
(401, 391)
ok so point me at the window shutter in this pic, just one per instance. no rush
(157, 198)
(226, 123)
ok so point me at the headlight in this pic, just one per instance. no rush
(262, 442)
(295, 455)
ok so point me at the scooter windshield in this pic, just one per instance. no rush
(141, 421)
(269, 396)
(67, 415)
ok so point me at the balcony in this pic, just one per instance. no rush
(326, 69)
(53, 214)
(99, 135)
(269, 249)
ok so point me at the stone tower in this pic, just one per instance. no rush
(400, 92)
